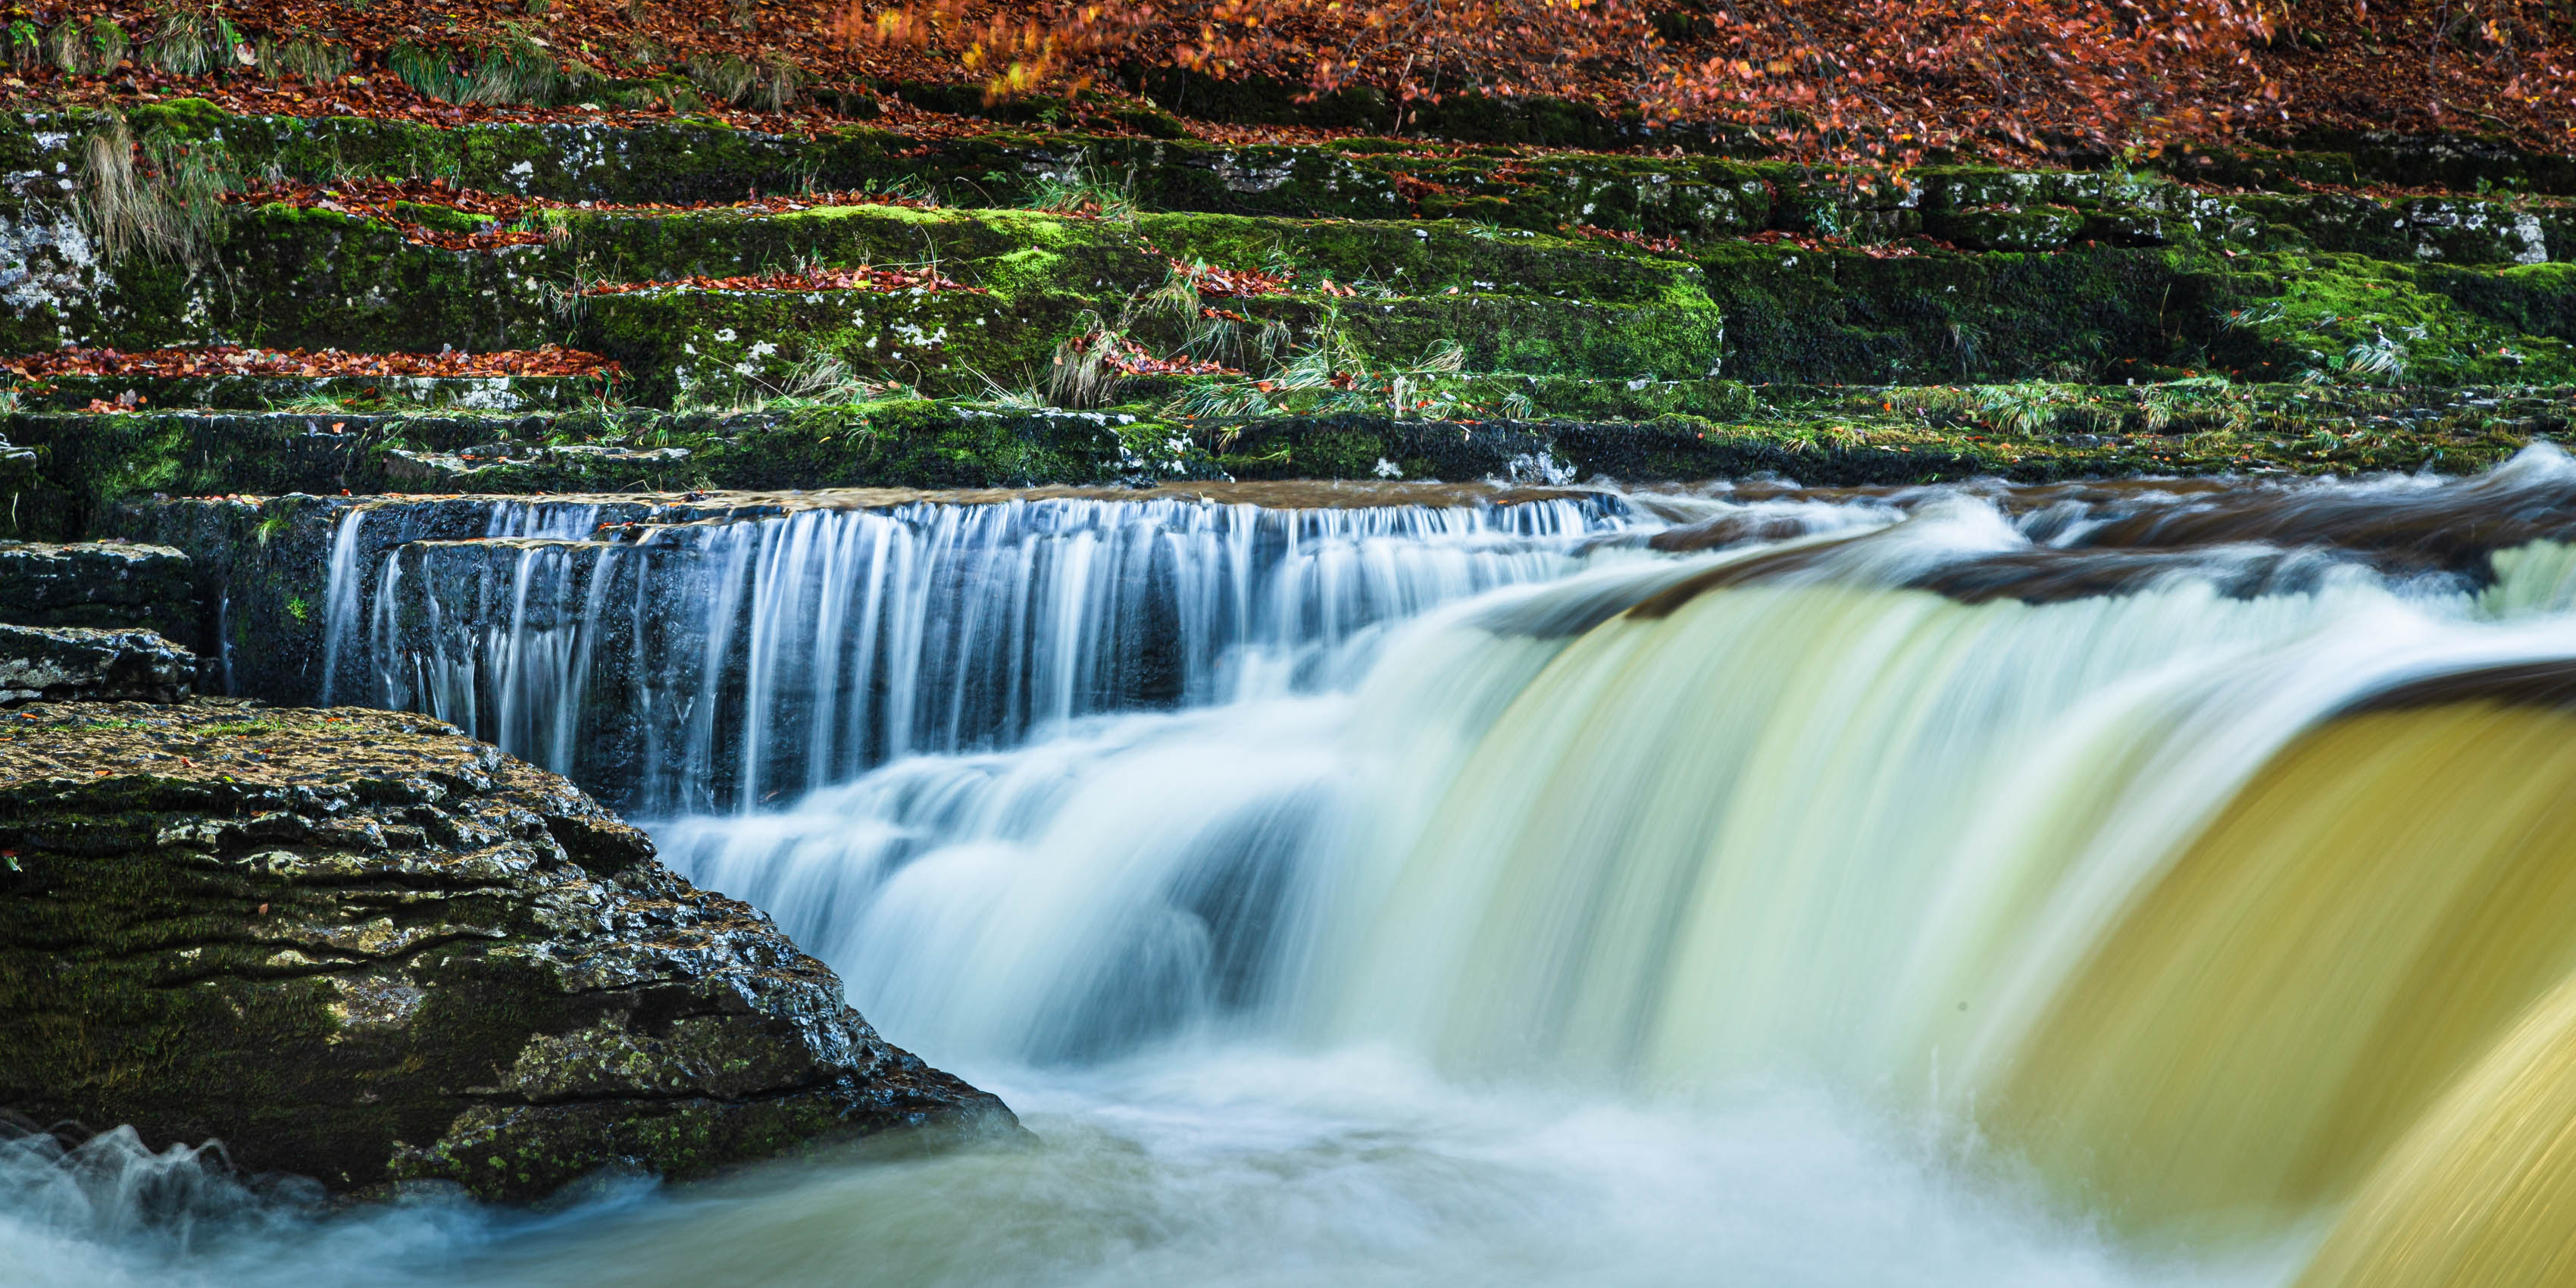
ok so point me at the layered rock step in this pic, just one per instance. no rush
(91, 664)
(1800, 309)
(1034, 307)
(95, 621)
(359, 947)
(95, 583)
(1451, 426)
(1031, 308)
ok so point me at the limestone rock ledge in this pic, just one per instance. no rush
(94, 583)
(358, 946)
(91, 663)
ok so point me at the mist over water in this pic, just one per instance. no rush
(1752, 887)
(1238, 1167)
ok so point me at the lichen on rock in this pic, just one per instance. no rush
(361, 947)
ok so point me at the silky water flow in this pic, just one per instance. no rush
(2141, 884)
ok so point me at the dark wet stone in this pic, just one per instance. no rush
(360, 947)
(91, 663)
(95, 583)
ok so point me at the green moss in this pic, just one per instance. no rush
(2011, 228)
(85, 464)
(1798, 315)
(322, 279)
(442, 218)
(2349, 319)
(722, 348)
(185, 118)
(1854, 436)
(1428, 257)
(2531, 300)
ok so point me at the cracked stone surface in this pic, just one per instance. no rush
(359, 946)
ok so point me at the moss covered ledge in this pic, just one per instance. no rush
(361, 947)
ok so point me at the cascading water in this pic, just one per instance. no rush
(1948, 886)
(737, 662)
(1676, 827)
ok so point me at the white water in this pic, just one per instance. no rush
(728, 664)
(1519, 943)
(1242, 1168)
(1788, 826)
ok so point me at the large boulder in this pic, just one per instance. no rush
(358, 946)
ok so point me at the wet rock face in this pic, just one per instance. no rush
(90, 663)
(95, 583)
(361, 947)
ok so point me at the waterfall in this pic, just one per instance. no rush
(2482, 1190)
(341, 601)
(2192, 854)
(698, 662)
(2359, 926)
(2198, 850)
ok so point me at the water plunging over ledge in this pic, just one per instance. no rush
(730, 663)
(2104, 884)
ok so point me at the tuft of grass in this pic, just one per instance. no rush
(726, 78)
(2377, 360)
(1931, 402)
(1178, 294)
(429, 71)
(1332, 373)
(78, 48)
(314, 405)
(996, 397)
(823, 380)
(1967, 341)
(902, 187)
(1084, 192)
(514, 69)
(1082, 374)
(158, 197)
(2161, 405)
(2253, 317)
(1222, 400)
(186, 41)
(770, 85)
(109, 44)
(2027, 408)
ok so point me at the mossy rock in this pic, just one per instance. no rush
(359, 947)
(2011, 228)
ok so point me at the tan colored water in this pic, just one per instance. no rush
(2371, 912)
(2482, 1192)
